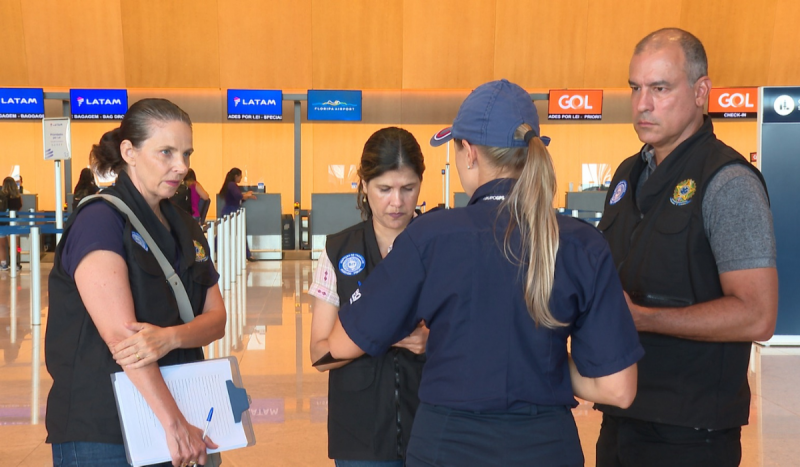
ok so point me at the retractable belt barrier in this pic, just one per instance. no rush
(227, 242)
(227, 247)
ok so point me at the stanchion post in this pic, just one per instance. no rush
(36, 322)
(212, 251)
(244, 239)
(59, 202)
(235, 247)
(13, 259)
(221, 252)
(228, 252)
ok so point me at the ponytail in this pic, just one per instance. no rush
(105, 156)
(530, 204)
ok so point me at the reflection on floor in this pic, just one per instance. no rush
(269, 331)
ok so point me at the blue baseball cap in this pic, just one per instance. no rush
(490, 116)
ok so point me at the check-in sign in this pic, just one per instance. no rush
(733, 103)
(575, 104)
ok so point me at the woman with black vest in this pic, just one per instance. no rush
(502, 284)
(371, 400)
(111, 308)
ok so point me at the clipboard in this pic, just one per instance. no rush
(196, 387)
(327, 359)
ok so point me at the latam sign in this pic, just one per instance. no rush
(575, 104)
(21, 104)
(733, 103)
(250, 104)
(98, 104)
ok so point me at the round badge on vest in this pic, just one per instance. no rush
(351, 264)
(619, 192)
(138, 239)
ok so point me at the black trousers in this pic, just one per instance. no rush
(625, 442)
(532, 436)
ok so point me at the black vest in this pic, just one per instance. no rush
(372, 400)
(664, 259)
(81, 406)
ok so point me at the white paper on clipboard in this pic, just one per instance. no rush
(196, 388)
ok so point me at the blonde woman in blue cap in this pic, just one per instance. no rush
(502, 284)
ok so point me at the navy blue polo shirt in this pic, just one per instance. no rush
(484, 351)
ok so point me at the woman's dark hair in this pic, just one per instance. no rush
(387, 149)
(85, 181)
(135, 127)
(190, 176)
(9, 188)
(229, 177)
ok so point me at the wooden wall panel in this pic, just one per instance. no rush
(784, 54)
(737, 39)
(171, 44)
(21, 144)
(546, 49)
(14, 68)
(448, 44)
(740, 135)
(614, 28)
(207, 160)
(357, 44)
(265, 152)
(265, 45)
(73, 47)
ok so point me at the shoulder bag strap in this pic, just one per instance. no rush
(184, 306)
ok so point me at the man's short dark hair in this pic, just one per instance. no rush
(693, 50)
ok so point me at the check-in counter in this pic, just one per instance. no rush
(30, 201)
(331, 213)
(593, 201)
(263, 225)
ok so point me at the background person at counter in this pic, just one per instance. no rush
(85, 187)
(233, 196)
(10, 200)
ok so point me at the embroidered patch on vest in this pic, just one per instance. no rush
(683, 192)
(619, 192)
(138, 239)
(352, 264)
(356, 295)
(199, 252)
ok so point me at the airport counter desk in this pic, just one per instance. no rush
(263, 225)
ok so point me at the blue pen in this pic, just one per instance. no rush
(208, 420)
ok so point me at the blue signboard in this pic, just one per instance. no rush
(251, 104)
(98, 104)
(781, 105)
(21, 104)
(334, 105)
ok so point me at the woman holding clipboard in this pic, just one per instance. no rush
(111, 308)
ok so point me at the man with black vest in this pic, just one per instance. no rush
(691, 234)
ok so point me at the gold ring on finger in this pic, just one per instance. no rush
(138, 357)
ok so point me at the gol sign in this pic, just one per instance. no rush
(575, 102)
(733, 100)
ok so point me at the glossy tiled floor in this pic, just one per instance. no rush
(271, 318)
